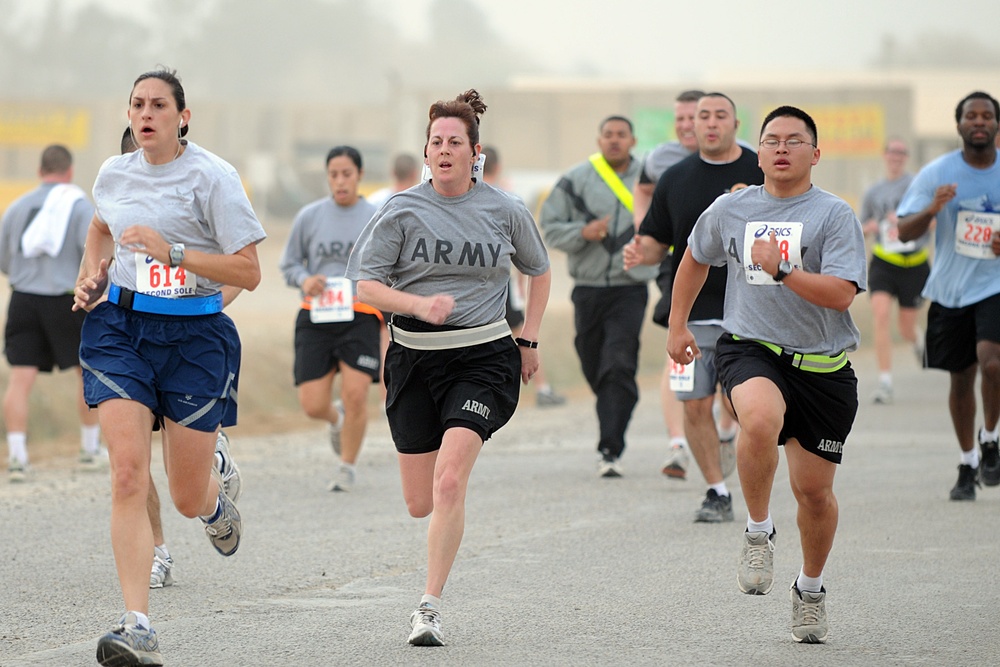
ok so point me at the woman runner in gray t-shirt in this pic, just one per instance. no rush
(438, 256)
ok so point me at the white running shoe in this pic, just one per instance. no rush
(335, 429)
(98, 462)
(755, 575)
(677, 462)
(232, 482)
(160, 576)
(809, 624)
(344, 481)
(426, 626)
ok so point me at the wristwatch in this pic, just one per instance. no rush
(784, 268)
(176, 254)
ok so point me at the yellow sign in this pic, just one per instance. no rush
(850, 130)
(37, 125)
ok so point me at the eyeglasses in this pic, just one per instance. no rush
(790, 144)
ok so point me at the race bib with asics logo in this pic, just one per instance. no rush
(335, 304)
(161, 280)
(789, 238)
(974, 232)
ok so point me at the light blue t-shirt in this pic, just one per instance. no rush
(832, 243)
(956, 280)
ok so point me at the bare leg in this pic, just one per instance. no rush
(354, 393)
(153, 510)
(761, 408)
(673, 410)
(989, 363)
(15, 399)
(811, 479)
(962, 406)
(881, 306)
(315, 397)
(703, 438)
(127, 426)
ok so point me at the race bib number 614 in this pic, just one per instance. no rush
(157, 279)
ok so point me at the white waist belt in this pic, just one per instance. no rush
(446, 340)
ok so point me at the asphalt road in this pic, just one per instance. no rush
(557, 567)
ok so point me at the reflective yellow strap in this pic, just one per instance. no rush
(814, 363)
(605, 171)
(905, 261)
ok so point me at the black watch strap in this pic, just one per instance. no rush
(524, 342)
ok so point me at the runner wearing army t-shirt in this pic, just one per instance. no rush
(334, 332)
(796, 260)
(439, 257)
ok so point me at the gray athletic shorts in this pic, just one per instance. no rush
(706, 378)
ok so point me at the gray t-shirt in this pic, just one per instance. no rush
(661, 158)
(832, 243)
(43, 275)
(322, 238)
(423, 243)
(882, 199)
(197, 200)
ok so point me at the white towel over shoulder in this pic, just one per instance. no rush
(46, 234)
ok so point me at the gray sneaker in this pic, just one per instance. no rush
(225, 532)
(609, 468)
(755, 574)
(715, 508)
(809, 625)
(727, 456)
(98, 462)
(344, 481)
(17, 471)
(232, 483)
(677, 462)
(989, 466)
(548, 398)
(335, 429)
(883, 395)
(426, 627)
(159, 575)
(129, 644)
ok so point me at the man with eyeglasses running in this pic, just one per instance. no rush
(796, 260)
(961, 189)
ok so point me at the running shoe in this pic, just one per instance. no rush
(727, 455)
(17, 471)
(426, 626)
(677, 462)
(965, 487)
(226, 530)
(160, 576)
(989, 466)
(609, 468)
(883, 395)
(755, 575)
(232, 482)
(129, 644)
(344, 481)
(335, 429)
(97, 462)
(547, 398)
(715, 508)
(809, 624)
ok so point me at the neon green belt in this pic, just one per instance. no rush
(898, 259)
(814, 363)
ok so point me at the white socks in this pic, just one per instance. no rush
(90, 438)
(989, 436)
(971, 457)
(431, 600)
(17, 447)
(765, 526)
(810, 584)
(720, 488)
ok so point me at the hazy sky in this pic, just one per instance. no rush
(664, 40)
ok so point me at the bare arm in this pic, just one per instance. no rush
(433, 309)
(643, 250)
(915, 225)
(97, 255)
(241, 269)
(825, 291)
(688, 281)
(642, 197)
(535, 301)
